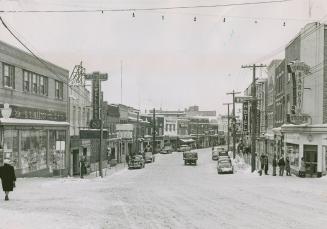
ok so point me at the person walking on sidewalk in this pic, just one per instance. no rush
(8, 177)
(261, 165)
(302, 168)
(265, 161)
(274, 165)
(281, 164)
(288, 167)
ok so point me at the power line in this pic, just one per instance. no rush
(146, 9)
(25, 46)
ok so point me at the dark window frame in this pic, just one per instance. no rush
(11, 77)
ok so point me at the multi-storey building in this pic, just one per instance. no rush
(34, 128)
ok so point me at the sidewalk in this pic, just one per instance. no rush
(107, 171)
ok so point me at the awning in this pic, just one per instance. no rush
(187, 140)
(31, 122)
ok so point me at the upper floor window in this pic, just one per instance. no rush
(34, 83)
(59, 90)
(26, 81)
(43, 85)
(8, 75)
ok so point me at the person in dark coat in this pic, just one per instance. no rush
(288, 167)
(8, 178)
(83, 166)
(281, 164)
(274, 165)
(265, 162)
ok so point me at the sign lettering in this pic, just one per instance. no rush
(245, 117)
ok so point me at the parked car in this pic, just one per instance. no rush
(136, 161)
(190, 157)
(225, 166)
(214, 155)
(149, 157)
(166, 149)
(184, 148)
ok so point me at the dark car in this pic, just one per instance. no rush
(136, 161)
(190, 157)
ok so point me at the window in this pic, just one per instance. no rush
(8, 75)
(59, 90)
(26, 81)
(34, 83)
(43, 85)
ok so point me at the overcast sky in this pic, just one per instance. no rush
(172, 63)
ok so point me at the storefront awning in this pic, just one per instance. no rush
(187, 140)
(31, 122)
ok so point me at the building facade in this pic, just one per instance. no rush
(34, 127)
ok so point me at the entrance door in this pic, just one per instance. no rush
(310, 159)
(76, 169)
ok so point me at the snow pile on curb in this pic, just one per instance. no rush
(239, 163)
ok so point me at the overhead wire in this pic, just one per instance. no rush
(146, 9)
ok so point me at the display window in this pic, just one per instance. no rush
(33, 153)
(293, 153)
(57, 149)
(10, 146)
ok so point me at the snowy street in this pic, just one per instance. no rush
(167, 194)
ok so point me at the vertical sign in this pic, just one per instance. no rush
(258, 122)
(96, 98)
(245, 117)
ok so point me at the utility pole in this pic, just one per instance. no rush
(228, 140)
(137, 134)
(154, 132)
(234, 121)
(253, 113)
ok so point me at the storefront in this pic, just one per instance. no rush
(35, 147)
(309, 142)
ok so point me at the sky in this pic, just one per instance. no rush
(172, 63)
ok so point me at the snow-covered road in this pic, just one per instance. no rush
(168, 194)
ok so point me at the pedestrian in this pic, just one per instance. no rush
(8, 177)
(302, 168)
(265, 160)
(288, 167)
(262, 164)
(83, 166)
(274, 165)
(281, 164)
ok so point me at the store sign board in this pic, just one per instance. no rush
(299, 119)
(242, 99)
(92, 134)
(245, 116)
(36, 114)
(125, 134)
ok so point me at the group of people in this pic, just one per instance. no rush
(282, 164)
(8, 177)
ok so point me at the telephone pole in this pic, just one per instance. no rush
(228, 141)
(154, 132)
(234, 121)
(253, 113)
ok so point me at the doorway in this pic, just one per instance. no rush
(76, 169)
(310, 153)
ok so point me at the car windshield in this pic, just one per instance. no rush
(224, 165)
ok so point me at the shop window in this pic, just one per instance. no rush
(8, 75)
(293, 154)
(33, 154)
(59, 90)
(57, 149)
(10, 146)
